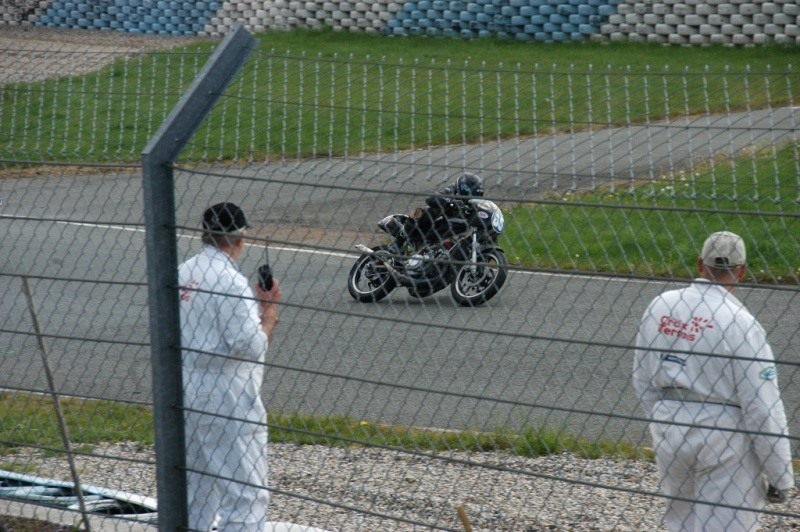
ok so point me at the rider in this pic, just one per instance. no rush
(445, 202)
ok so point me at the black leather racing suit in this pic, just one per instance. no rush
(421, 221)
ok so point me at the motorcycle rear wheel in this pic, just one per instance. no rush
(369, 280)
(475, 284)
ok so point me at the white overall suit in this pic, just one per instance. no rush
(229, 439)
(703, 361)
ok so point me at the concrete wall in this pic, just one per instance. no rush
(733, 22)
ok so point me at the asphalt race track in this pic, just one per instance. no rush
(549, 349)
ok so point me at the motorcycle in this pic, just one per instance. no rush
(460, 252)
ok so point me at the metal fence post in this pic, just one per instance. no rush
(162, 267)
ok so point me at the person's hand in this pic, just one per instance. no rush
(267, 298)
(776, 496)
(269, 311)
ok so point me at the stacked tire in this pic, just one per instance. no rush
(679, 22)
(152, 17)
(694, 22)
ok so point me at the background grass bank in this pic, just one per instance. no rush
(312, 94)
(658, 229)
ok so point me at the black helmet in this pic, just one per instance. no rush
(469, 185)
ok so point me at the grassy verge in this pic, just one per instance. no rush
(327, 93)
(308, 94)
(530, 441)
(31, 420)
(658, 229)
(24, 524)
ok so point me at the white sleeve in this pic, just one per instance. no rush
(763, 413)
(240, 322)
(643, 366)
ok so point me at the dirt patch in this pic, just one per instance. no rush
(33, 54)
(22, 524)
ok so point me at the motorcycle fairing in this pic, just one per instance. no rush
(393, 224)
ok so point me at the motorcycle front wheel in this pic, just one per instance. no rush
(477, 283)
(369, 280)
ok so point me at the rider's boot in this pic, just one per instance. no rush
(396, 246)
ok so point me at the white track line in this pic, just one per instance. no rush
(349, 255)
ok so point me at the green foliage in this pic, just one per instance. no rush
(104, 116)
(334, 94)
(17, 467)
(658, 230)
(306, 93)
(345, 431)
(30, 420)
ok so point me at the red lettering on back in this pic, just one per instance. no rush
(669, 326)
(186, 292)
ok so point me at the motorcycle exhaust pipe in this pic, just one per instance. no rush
(402, 278)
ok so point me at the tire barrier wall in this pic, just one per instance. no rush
(729, 22)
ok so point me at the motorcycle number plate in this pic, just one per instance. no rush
(498, 222)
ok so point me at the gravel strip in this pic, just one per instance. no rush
(33, 54)
(528, 494)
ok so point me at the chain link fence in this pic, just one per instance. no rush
(412, 412)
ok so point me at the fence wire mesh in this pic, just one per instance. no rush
(397, 414)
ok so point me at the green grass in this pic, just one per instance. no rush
(415, 92)
(658, 229)
(327, 93)
(31, 420)
(339, 431)
(306, 94)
